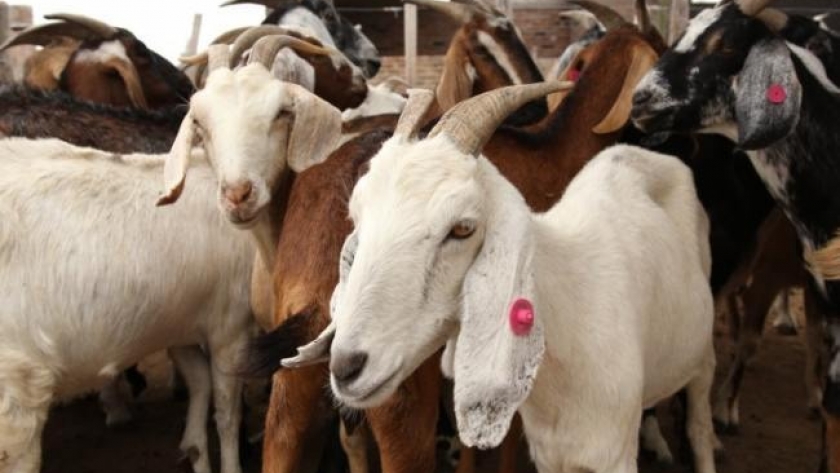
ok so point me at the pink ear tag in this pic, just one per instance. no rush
(573, 75)
(521, 316)
(776, 94)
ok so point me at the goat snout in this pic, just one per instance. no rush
(641, 98)
(239, 193)
(346, 367)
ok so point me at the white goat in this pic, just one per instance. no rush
(78, 309)
(608, 292)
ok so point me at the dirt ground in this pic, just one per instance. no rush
(776, 435)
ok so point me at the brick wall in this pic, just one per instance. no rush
(545, 34)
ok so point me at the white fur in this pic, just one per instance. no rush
(95, 277)
(500, 55)
(289, 67)
(107, 50)
(379, 101)
(697, 27)
(304, 21)
(617, 272)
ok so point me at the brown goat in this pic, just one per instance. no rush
(540, 161)
(110, 65)
(776, 265)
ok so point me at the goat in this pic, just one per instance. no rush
(775, 100)
(206, 301)
(321, 19)
(776, 264)
(540, 162)
(447, 227)
(110, 65)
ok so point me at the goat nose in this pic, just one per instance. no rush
(238, 193)
(347, 367)
(642, 97)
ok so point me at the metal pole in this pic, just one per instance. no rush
(410, 20)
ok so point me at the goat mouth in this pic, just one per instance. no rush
(363, 398)
(653, 120)
(243, 221)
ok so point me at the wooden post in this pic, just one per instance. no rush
(5, 23)
(192, 43)
(678, 19)
(410, 27)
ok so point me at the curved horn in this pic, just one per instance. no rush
(472, 122)
(44, 35)
(775, 19)
(643, 16)
(228, 37)
(265, 3)
(607, 16)
(249, 37)
(195, 60)
(103, 30)
(458, 11)
(752, 7)
(417, 107)
(266, 48)
(218, 56)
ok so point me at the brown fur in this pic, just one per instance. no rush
(825, 262)
(42, 70)
(775, 266)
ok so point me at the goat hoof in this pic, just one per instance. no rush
(726, 428)
(786, 330)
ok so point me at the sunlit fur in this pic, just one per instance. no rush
(94, 277)
(614, 342)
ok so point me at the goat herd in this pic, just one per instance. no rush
(383, 239)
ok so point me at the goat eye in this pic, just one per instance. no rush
(461, 230)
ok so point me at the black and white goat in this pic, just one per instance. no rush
(730, 73)
(321, 20)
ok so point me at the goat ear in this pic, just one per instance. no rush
(316, 351)
(455, 84)
(177, 162)
(767, 95)
(315, 131)
(131, 79)
(644, 57)
(500, 343)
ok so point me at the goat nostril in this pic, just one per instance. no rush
(347, 368)
(642, 97)
(239, 193)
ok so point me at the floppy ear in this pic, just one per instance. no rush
(500, 343)
(177, 162)
(131, 79)
(644, 57)
(315, 130)
(767, 95)
(455, 84)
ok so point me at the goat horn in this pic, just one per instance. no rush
(266, 48)
(607, 16)
(411, 118)
(458, 11)
(775, 19)
(218, 56)
(197, 59)
(472, 122)
(44, 35)
(103, 30)
(228, 37)
(752, 7)
(643, 16)
(249, 37)
(265, 3)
